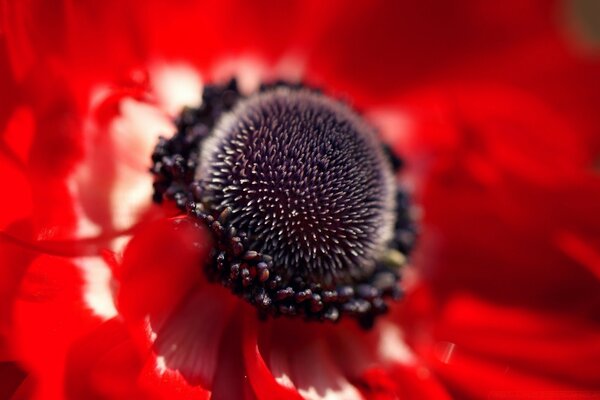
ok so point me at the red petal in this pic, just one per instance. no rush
(15, 212)
(556, 71)
(192, 336)
(488, 132)
(160, 266)
(104, 364)
(169, 385)
(581, 250)
(375, 49)
(402, 382)
(17, 136)
(14, 260)
(262, 380)
(231, 379)
(500, 165)
(49, 309)
(12, 378)
(100, 41)
(509, 348)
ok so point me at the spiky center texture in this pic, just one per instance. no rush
(306, 180)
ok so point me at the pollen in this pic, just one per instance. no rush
(301, 196)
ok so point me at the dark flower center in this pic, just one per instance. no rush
(306, 179)
(301, 198)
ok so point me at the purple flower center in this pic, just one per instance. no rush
(306, 179)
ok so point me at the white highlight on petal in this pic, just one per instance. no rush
(115, 169)
(394, 126)
(317, 376)
(251, 71)
(344, 391)
(134, 135)
(444, 351)
(97, 292)
(284, 380)
(136, 131)
(279, 365)
(397, 130)
(161, 365)
(130, 196)
(118, 244)
(291, 67)
(98, 95)
(176, 86)
(392, 346)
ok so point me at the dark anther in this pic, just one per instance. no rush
(329, 296)
(251, 255)
(218, 228)
(246, 277)
(221, 260)
(385, 281)
(303, 295)
(367, 292)
(357, 306)
(345, 293)
(396, 161)
(275, 282)
(262, 271)
(234, 272)
(283, 294)
(237, 247)
(263, 300)
(332, 314)
(316, 304)
(224, 215)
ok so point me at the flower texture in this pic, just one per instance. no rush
(490, 105)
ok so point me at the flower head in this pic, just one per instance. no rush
(294, 203)
(300, 198)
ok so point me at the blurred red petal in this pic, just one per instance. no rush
(12, 377)
(17, 136)
(14, 261)
(161, 264)
(101, 40)
(376, 49)
(496, 165)
(402, 382)
(583, 251)
(15, 216)
(481, 129)
(104, 365)
(554, 70)
(510, 348)
(51, 287)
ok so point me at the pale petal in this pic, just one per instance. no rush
(176, 86)
(318, 377)
(189, 341)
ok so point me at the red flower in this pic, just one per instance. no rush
(101, 295)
